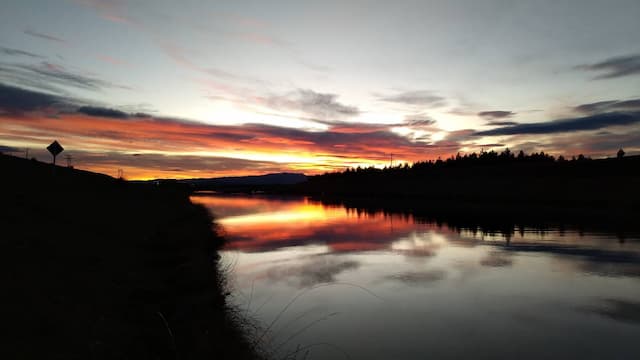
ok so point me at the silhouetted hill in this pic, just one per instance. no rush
(99, 268)
(246, 181)
(32, 172)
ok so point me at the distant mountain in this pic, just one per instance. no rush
(260, 180)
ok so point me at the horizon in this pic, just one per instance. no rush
(195, 90)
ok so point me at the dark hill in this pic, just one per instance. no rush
(246, 181)
(99, 268)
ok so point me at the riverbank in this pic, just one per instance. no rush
(99, 268)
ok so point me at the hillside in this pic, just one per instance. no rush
(98, 268)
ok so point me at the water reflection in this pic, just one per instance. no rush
(377, 285)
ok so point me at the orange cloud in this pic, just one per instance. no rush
(267, 147)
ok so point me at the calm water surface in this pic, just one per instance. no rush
(325, 282)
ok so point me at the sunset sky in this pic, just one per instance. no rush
(175, 89)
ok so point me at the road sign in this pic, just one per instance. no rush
(55, 148)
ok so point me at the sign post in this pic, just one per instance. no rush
(55, 148)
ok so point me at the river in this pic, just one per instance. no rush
(327, 282)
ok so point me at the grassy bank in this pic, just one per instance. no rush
(103, 269)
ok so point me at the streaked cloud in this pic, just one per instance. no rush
(8, 149)
(51, 77)
(419, 120)
(312, 103)
(592, 122)
(497, 114)
(617, 309)
(420, 97)
(615, 67)
(310, 273)
(418, 278)
(18, 52)
(16, 101)
(102, 112)
(44, 36)
(610, 105)
(35, 117)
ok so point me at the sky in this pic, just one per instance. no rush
(182, 89)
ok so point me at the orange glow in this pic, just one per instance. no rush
(284, 223)
(203, 150)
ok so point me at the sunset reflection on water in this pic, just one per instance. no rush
(381, 286)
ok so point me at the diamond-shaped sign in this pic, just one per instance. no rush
(55, 148)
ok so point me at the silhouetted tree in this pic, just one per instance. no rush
(620, 153)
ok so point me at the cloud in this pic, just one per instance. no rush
(418, 278)
(502, 123)
(104, 112)
(49, 76)
(14, 100)
(38, 116)
(610, 105)
(44, 36)
(419, 120)
(421, 97)
(615, 67)
(321, 105)
(497, 259)
(8, 149)
(17, 52)
(314, 272)
(592, 122)
(618, 310)
(491, 115)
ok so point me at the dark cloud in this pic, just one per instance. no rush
(151, 133)
(8, 149)
(608, 143)
(610, 105)
(50, 77)
(44, 36)
(419, 120)
(17, 52)
(592, 122)
(589, 255)
(618, 310)
(103, 112)
(616, 67)
(418, 278)
(421, 97)
(497, 259)
(14, 100)
(502, 123)
(312, 273)
(499, 114)
(321, 105)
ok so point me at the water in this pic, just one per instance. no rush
(326, 282)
